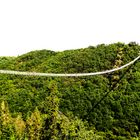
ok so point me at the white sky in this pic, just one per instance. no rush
(27, 25)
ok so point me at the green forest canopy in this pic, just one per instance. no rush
(64, 108)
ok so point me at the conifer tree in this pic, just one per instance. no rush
(34, 125)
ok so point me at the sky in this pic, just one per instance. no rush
(58, 25)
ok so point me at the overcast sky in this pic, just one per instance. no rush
(57, 25)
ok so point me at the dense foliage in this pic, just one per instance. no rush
(69, 108)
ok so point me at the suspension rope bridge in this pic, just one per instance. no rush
(12, 72)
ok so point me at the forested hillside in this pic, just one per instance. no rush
(70, 108)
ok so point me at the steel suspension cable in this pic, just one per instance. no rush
(25, 73)
(112, 88)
